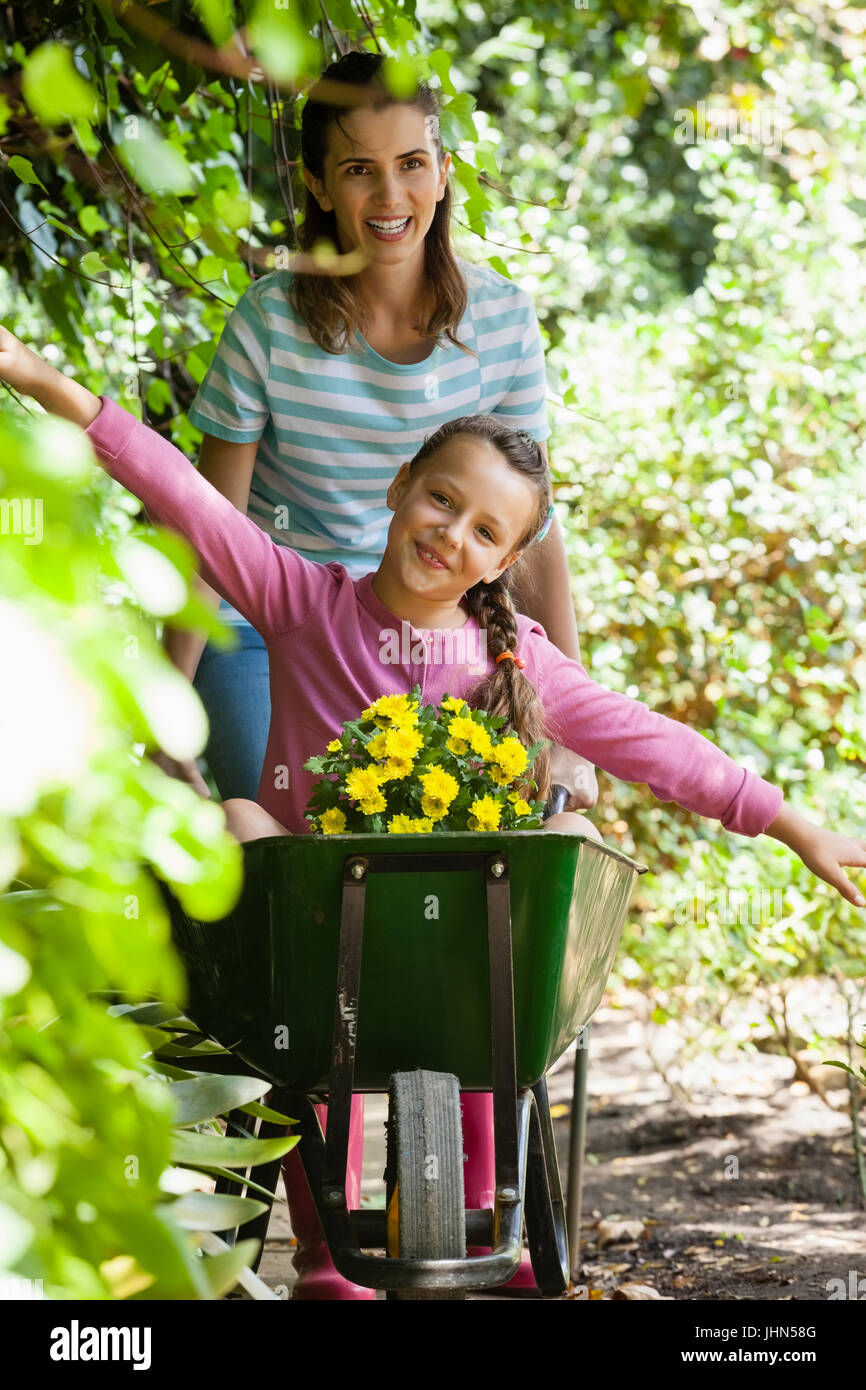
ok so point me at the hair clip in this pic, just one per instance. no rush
(548, 520)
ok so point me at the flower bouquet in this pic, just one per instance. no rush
(405, 768)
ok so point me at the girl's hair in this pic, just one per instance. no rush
(507, 691)
(330, 304)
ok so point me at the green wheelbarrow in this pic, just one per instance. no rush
(419, 967)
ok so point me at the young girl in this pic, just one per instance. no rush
(464, 510)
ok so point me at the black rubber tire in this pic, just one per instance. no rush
(424, 1173)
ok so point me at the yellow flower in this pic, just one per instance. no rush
(485, 813)
(363, 783)
(390, 707)
(332, 821)
(407, 825)
(377, 748)
(498, 776)
(395, 768)
(403, 743)
(440, 789)
(457, 745)
(521, 807)
(406, 722)
(334, 746)
(510, 754)
(452, 703)
(369, 805)
(461, 726)
(480, 741)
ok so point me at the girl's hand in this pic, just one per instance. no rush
(825, 851)
(56, 393)
(822, 851)
(20, 367)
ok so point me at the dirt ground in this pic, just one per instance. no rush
(735, 1180)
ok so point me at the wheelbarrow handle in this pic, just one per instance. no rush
(556, 800)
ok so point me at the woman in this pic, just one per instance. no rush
(321, 387)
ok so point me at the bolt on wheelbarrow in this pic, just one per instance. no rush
(471, 966)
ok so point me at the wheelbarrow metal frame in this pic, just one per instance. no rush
(516, 1114)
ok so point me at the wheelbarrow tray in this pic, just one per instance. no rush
(262, 979)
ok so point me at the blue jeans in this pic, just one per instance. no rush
(234, 689)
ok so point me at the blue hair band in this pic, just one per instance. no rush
(548, 521)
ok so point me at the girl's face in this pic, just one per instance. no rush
(384, 169)
(458, 518)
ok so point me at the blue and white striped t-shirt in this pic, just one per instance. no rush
(334, 428)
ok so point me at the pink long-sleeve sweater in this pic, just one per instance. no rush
(334, 647)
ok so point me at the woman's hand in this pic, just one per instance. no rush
(823, 851)
(185, 770)
(577, 775)
(19, 367)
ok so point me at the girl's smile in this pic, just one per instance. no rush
(430, 557)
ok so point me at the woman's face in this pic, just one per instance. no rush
(383, 169)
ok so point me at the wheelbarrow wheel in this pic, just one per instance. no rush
(424, 1174)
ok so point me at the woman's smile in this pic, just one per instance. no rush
(389, 228)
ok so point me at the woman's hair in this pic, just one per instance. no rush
(507, 691)
(330, 304)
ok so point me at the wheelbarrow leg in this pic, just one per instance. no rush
(576, 1147)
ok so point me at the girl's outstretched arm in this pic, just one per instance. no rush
(270, 584)
(630, 741)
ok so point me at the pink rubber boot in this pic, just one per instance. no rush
(479, 1174)
(317, 1276)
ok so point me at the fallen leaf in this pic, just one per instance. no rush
(610, 1232)
(639, 1291)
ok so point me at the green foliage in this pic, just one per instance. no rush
(86, 822)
